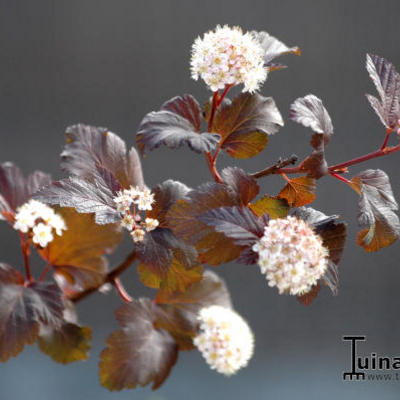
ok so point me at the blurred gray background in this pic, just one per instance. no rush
(108, 63)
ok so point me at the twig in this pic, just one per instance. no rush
(109, 278)
(277, 167)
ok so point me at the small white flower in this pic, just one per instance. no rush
(291, 255)
(42, 234)
(227, 56)
(138, 235)
(24, 219)
(127, 222)
(225, 340)
(57, 223)
(123, 200)
(145, 200)
(151, 224)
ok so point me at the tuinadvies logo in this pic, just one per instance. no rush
(372, 366)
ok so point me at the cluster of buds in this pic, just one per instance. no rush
(227, 56)
(291, 255)
(133, 203)
(225, 339)
(39, 221)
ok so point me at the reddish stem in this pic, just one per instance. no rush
(227, 87)
(340, 177)
(388, 132)
(122, 291)
(209, 158)
(25, 252)
(109, 278)
(45, 272)
(378, 153)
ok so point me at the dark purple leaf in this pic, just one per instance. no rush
(237, 223)
(333, 234)
(245, 186)
(377, 210)
(387, 83)
(310, 112)
(165, 195)
(85, 196)
(214, 248)
(181, 308)
(157, 251)
(273, 47)
(88, 147)
(244, 124)
(187, 107)
(175, 125)
(15, 189)
(23, 309)
(66, 343)
(307, 298)
(139, 353)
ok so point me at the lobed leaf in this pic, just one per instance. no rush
(237, 223)
(333, 234)
(273, 48)
(88, 147)
(307, 298)
(214, 248)
(387, 83)
(179, 311)
(377, 210)
(68, 342)
(79, 259)
(187, 107)
(165, 195)
(85, 196)
(179, 276)
(15, 189)
(310, 112)
(177, 123)
(156, 252)
(273, 206)
(140, 353)
(23, 308)
(245, 123)
(243, 185)
(299, 191)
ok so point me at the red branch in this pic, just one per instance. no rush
(26, 252)
(121, 291)
(109, 278)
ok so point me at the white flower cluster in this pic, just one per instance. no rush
(291, 255)
(225, 339)
(39, 219)
(228, 56)
(129, 203)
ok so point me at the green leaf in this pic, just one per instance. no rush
(140, 353)
(273, 206)
(245, 123)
